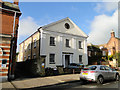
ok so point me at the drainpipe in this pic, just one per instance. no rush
(14, 24)
(39, 39)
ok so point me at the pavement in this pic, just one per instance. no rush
(39, 82)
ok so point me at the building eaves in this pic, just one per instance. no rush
(11, 6)
(29, 37)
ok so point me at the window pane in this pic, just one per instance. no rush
(93, 68)
(35, 43)
(80, 58)
(80, 45)
(52, 41)
(52, 58)
(67, 42)
(107, 68)
(102, 68)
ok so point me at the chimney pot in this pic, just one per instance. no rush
(112, 33)
(16, 2)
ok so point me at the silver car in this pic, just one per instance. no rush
(98, 73)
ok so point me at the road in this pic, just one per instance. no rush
(76, 85)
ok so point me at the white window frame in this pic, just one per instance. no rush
(53, 41)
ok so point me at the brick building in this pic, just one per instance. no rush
(111, 47)
(9, 16)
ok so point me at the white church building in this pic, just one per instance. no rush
(60, 43)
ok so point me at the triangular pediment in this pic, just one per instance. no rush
(65, 26)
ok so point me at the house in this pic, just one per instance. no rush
(111, 48)
(94, 54)
(57, 44)
(9, 14)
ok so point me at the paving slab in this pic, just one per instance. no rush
(45, 81)
(7, 85)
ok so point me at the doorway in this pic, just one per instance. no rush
(67, 60)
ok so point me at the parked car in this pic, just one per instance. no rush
(75, 67)
(98, 73)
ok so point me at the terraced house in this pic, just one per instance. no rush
(9, 19)
(59, 43)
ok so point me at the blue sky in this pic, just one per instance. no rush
(96, 19)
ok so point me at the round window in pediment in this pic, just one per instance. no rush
(67, 26)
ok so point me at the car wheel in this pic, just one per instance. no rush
(82, 81)
(117, 77)
(100, 80)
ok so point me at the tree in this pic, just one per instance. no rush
(117, 56)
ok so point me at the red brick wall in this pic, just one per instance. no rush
(7, 22)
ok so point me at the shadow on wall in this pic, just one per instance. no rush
(26, 68)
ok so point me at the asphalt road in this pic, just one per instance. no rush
(114, 85)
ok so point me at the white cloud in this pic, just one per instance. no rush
(106, 6)
(27, 26)
(101, 27)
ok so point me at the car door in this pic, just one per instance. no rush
(109, 72)
(103, 72)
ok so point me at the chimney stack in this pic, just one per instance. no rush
(16, 2)
(112, 33)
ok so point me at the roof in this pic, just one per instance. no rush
(45, 26)
(29, 36)
(117, 38)
(11, 6)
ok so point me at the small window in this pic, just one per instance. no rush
(67, 26)
(80, 58)
(52, 58)
(4, 61)
(28, 56)
(29, 46)
(67, 43)
(35, 43)
(107, 68)
(24, 57)
(102, 68)
(89, 53)
(80, 45)
(95, 53)
(52, 41)
(34, 56)
(104, 53)
(92, 68)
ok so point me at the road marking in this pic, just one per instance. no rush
(106, 83)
